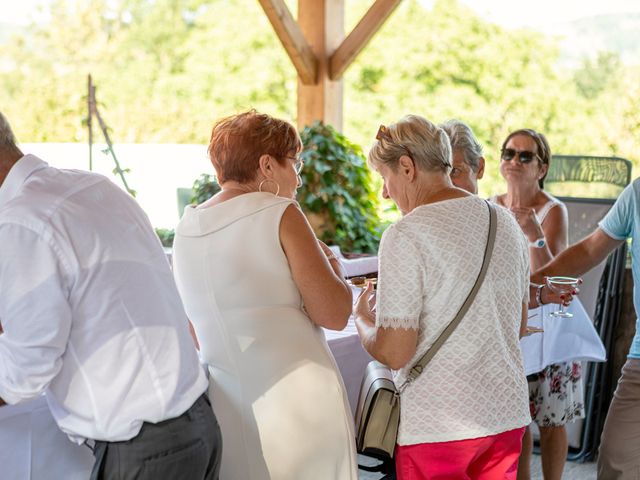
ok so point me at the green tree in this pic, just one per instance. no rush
(166, 69)
(593, 77)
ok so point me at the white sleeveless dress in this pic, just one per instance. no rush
(274, 384)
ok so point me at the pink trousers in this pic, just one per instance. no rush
(487, 458)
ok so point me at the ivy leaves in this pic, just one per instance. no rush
(336, 186)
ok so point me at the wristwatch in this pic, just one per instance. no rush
(538, 243)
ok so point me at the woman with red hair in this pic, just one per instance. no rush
(258, 285)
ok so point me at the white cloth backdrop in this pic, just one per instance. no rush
(33, 448)
(563, 339)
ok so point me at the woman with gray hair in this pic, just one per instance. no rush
(467, 160)
(464, 416)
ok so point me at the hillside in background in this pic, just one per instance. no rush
(6, 29)
(616, 33)
(166, 69)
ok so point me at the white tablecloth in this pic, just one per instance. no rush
(33, 448)
(351, 358)
(563, 339)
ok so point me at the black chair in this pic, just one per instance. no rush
(588, 186)
(585, 176)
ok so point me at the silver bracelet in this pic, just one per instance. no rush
(539, 295)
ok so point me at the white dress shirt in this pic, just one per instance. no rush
(90, 311)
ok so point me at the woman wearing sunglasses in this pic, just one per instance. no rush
(555, 394)
(258, 285)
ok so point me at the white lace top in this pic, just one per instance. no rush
(475, 386)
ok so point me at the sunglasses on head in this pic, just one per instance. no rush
(383, 134)
(524, 156)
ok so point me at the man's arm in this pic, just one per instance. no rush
(579, 258)
(35, 312)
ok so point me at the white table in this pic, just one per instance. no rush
(563, 339)
(351, 358)
(33, 448)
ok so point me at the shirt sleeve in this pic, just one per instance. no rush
(618, 222)
(34, 312)
(400, 282)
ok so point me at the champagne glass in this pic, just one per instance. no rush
(562, 285)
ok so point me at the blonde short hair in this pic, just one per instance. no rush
(463, 139)
(413, 135)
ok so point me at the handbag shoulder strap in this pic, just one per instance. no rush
(442, 338)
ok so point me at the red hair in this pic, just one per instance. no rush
(237, 143)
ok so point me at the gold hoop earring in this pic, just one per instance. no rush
(269, 180)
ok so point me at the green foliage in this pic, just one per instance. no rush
(166, 69)
(594, 75)
(336, 192)
(204, 188)
(166, 236)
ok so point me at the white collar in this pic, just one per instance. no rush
(18, 174)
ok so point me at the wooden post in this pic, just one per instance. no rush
(322, 23)
(292, 39)
(360, 36)
(320, 53)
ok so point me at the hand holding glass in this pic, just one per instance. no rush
(563, 286)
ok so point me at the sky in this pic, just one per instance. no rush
(539, 13)
(515, 13)
(18, 12)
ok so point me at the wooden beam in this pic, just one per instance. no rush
(360, 36)
(322, 22)
(293, 40)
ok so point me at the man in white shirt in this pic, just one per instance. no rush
(93, 320)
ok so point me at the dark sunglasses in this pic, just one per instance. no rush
(383, 134)
(524, 156)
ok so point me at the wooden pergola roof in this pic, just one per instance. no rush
(319, 51)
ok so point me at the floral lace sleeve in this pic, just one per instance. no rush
(400, 282)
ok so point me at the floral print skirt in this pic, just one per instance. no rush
(556, 395)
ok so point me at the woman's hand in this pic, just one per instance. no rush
(366, 305)
(561, 296)
(526, 218)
